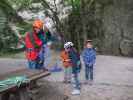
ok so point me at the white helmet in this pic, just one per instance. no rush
(71, 44)
(68, 44)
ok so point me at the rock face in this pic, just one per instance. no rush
(117, 26)
(109, 23)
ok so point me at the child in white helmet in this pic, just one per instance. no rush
(75, 60)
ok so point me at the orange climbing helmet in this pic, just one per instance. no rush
(38, 24)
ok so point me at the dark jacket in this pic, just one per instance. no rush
(75, 60)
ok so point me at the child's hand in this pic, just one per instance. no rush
(68, 60)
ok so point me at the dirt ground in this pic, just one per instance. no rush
(112, 81)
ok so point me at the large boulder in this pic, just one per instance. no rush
(117, 26)
(126, 47)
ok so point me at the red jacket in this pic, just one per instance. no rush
(31, 51)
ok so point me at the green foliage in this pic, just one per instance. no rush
(80, 22)
(7, 15)
(6, 7)
(20, 4)
(75, 4)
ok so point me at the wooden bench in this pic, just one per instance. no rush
(21, 93)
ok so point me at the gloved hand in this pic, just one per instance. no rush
(78, 66)
(78, 63)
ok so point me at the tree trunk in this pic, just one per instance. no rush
(83, 20)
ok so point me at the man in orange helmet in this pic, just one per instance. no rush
(34, 45)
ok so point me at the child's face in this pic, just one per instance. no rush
(67, 49)
(88, 45)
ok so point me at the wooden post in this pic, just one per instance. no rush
(4, 96)
(24, 95)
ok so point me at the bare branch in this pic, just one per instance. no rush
(90, 3)
(55, 5)
(44, 3)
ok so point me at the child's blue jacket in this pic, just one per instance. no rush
(89, 56)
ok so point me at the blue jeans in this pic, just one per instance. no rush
(35, 65)
(75, 81)
(47, 56)
(32, 64)
(89, 72)
(67, 73)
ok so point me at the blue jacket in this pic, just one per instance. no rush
(89, 56)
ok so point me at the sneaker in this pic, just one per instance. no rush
(76, 92)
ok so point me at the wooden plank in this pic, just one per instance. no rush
(20, 72)
(35, 77)
(31, 74)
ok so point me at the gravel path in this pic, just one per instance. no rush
(113, 81)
